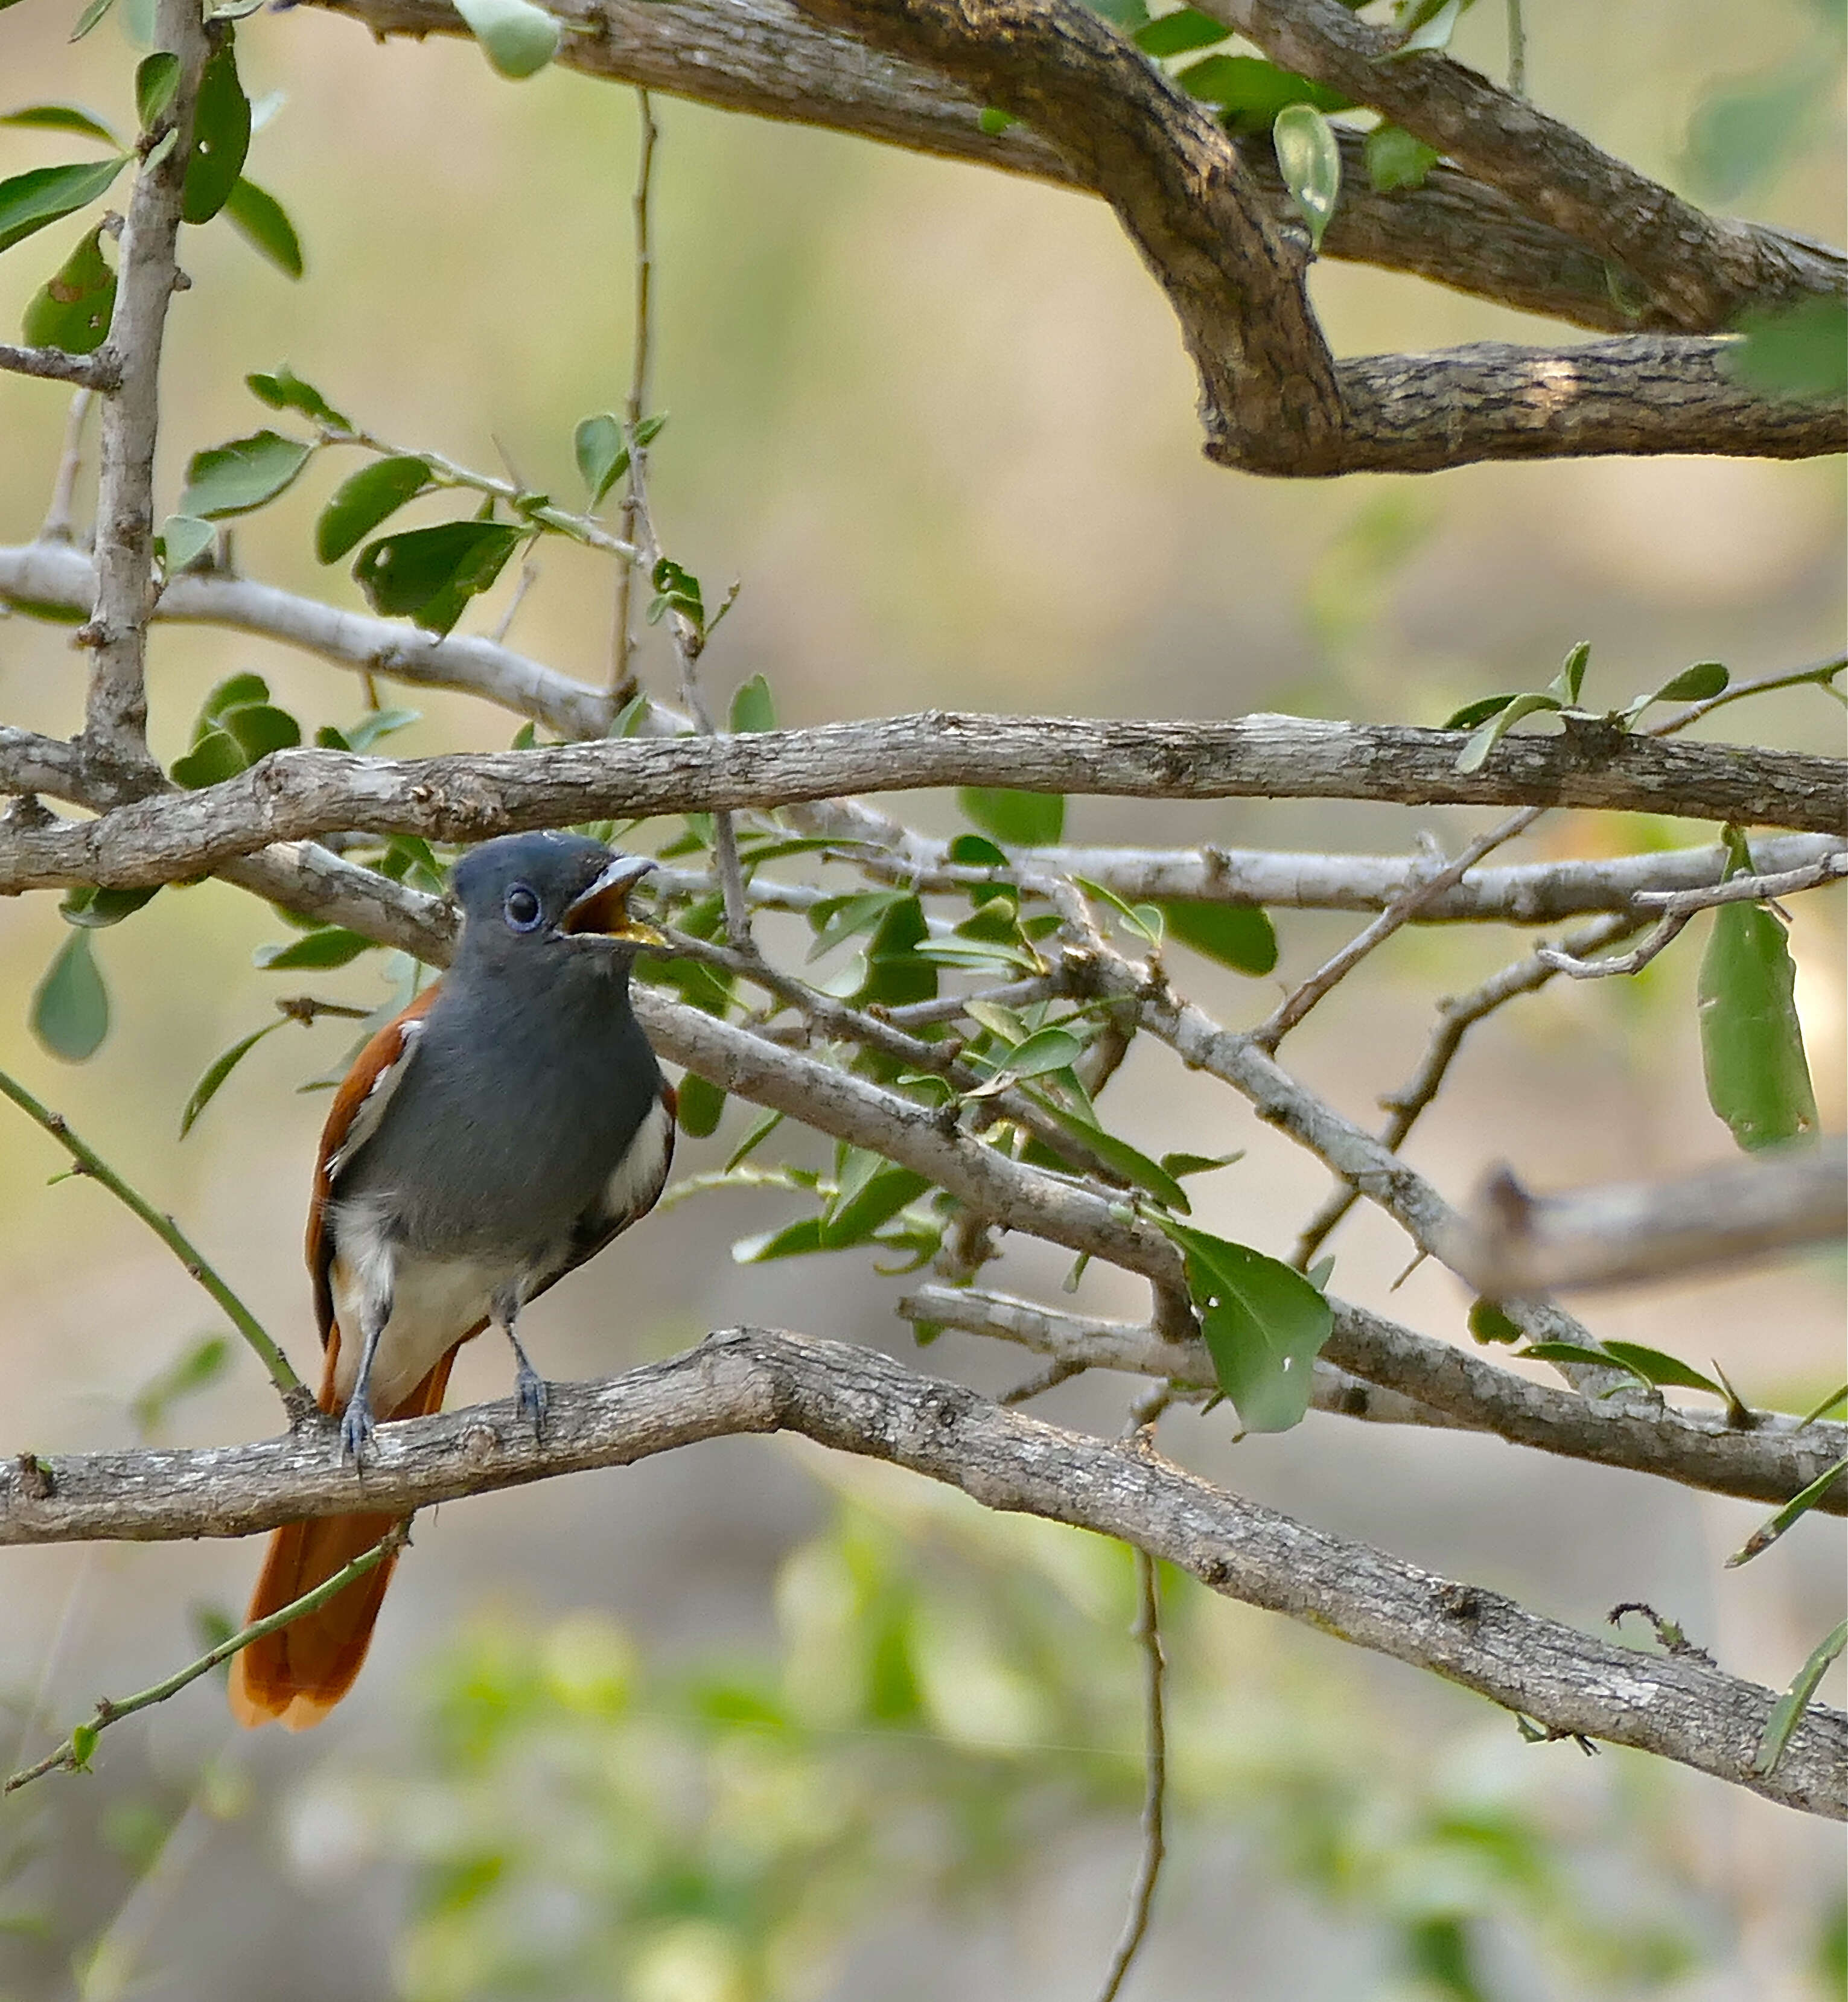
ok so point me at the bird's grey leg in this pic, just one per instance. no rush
(357, 1427)
(529, 1386)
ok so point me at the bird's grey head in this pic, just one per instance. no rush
(526, 890)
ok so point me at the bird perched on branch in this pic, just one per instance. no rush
(509, 1124)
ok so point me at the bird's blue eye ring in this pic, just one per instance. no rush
(522, 909)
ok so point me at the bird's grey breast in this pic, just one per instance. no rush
(517, 1108)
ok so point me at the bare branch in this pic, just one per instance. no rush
(1660, 938)
(293, 795)
(1700, 269)
(764, 57)
(101, 371)
(1756, 889)
(115, 711)
(1147, 1633)
(1512, 1242)
(853, 1400)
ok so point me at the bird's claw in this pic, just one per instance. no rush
(357, 1429)
(530, 1397)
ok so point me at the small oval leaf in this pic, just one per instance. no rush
(1308, 156)
(73, 309)
(263, 223)
(221, 136)
(243, 474)
(69, 1007)
(517, 38)
(364, 500)
(1023, 820)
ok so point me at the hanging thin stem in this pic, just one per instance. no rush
(622, 673)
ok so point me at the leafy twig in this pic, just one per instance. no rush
(73, 1754)
(293, 1391)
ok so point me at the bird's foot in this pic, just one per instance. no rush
(357, 1429)
(530, 1397)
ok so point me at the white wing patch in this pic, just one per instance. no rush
(371, 1107)
(642, 1173)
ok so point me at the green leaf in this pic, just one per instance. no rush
(1570, 680)
(285, 390)
(856, 1213)
(1309, 159)
(702, 1106)
(1473, 713)
(1795, 1700)
(156, 79)
(73, 309)
(221, 136)
(216, 756)
(1700, 683)
(1022, 820)
(83, 1736)
(791, 1241)
(1435, 29)
(836, 920)
(975, 851)
(1793, 1511)
(1488, 1323)
(233, 693)
(676, 589)
(517, 38)
(429, 574)
(66, 118)
(183, 539)
(1044, 1052)
(1127, 15)
(1487, 735)
(93, 12)
(259, 728)
(244, 474)
(1751, 1040)
(1396, 158)
(31, 200)
(69, 1007)
(380, 723)
(752, 706)
(1828, 1404)
(1263, 1325)
(994, 121)
(321, 950)
(197, 1368)
(364, 500)
(1800, 353)
(1178, 33)
(897, 974)
(1131, 1163)
(1578, 1353)
(1249, 93)
(1665, 1371)
(1178, 1165)
(263, 223)
(220, 1068)
(1146, 920)
(96, 909)
(602, 457)
(1240, 936)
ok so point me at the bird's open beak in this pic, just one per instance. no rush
(604, 907)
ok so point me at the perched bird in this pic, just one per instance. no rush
(509, 1124)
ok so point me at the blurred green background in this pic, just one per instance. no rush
(745, 1723)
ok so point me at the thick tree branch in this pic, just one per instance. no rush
(1699, 269)
(1512, 1242)
(763, 57)
(1374, 1369)
(296, 795)
(853, 1400)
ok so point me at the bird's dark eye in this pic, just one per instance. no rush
(522, 909)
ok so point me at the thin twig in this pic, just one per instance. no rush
(1517, 50)
(115, 704)
(61, 515)
(1456, 1019)
(621, 677)
(1745, 889)
(1399, 912)
(1147, 1634)
(293, 1394)
(52, 365)
(108, 1711)
(1633, 961)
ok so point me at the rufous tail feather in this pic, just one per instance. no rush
(297, 1674)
